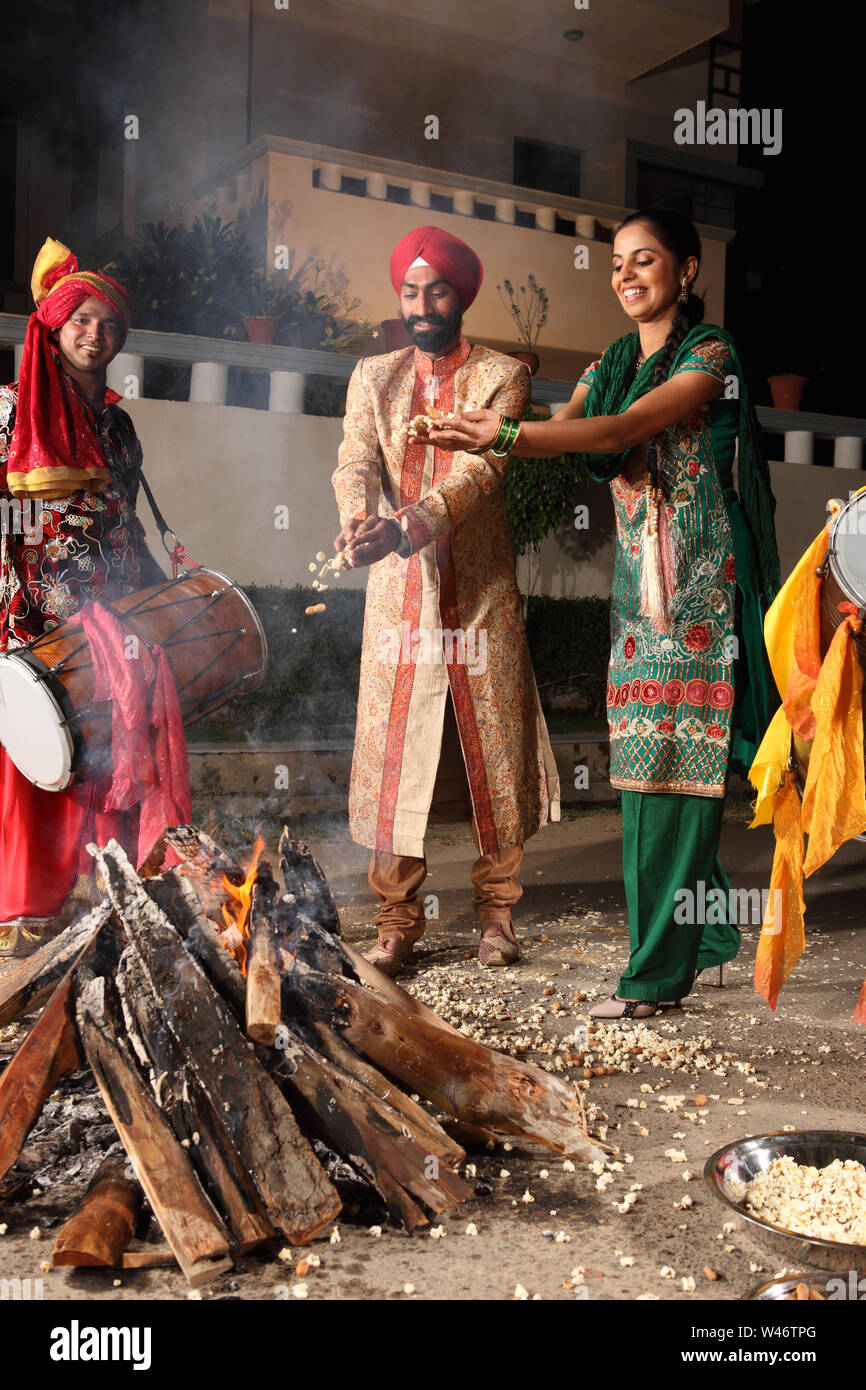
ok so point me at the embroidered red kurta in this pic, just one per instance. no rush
(449, 617)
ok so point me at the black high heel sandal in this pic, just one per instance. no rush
(630, 1007)
(721, 982)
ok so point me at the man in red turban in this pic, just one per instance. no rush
(449, 726)
(454, 261)
(70, 453)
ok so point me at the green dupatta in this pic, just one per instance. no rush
(615, 387)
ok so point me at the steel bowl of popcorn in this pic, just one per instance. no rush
(802, 1193)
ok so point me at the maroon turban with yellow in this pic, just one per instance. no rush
(448, 255)
(54, 450)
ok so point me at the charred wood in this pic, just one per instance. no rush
(189, 1223)
(47, 1053)
(102, 1228)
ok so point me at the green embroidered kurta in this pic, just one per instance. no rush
(671, 695)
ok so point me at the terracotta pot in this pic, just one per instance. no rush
(395, 334)
(260, 329)
(787, 390)
(530, 358)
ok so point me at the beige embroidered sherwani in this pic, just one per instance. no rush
(448, 617)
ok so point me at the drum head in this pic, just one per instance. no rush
(32, 729)
(847, 550)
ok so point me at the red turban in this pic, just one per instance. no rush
(452, 258)
(54, 451)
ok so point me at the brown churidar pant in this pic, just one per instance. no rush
(396, 878)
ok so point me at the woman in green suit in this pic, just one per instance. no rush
(660, 417)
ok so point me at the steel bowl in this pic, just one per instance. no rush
(738, 1163)
(826, 1284)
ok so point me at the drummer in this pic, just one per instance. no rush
(68, 450)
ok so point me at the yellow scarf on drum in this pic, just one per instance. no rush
(822, 702)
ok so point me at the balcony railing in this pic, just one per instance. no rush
(211, 359)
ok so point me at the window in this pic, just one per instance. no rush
(702, 199)
(706, 190)
(554, 168)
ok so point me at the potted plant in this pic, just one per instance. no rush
(787, 390)
(269, 298)
(528, 307)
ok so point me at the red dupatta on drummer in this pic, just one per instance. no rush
(149, 766)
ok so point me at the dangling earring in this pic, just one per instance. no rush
(684, 292)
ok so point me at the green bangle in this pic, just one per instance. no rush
(509, 442)
(501, 434)
(503, 441)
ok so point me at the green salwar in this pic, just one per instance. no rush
(670, 849)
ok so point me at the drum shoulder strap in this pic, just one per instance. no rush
(162, 524)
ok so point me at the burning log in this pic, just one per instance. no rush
(203, 939)
(372, 1136)
(149, 1257)
(205, 864)
(480, 1087)
(189, 1223)
(31, 982)
(48, 1052)
(303, 879)
(295, 1191)
(263, 978)
(189, 1109)
(422, 1124)
(100, 1231)
(205, 945)
(209, 1117)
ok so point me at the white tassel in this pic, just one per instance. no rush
(657, 575)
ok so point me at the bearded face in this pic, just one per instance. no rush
(430, 309)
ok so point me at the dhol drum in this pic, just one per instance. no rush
(50, 725)
(843, 579)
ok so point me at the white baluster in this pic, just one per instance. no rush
(287, 393)
(331, 177)
(545, 219)
(799, 445)
(208, 383)
(126, 375)
(377, 186)
(505, 209)
(420, 194)
(585, 226)
(848, 451)
(464, 202)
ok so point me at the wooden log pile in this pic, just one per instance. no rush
(232, 1033)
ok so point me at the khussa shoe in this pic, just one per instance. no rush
(389, 955)
(498, 944)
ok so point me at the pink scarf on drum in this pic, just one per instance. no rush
(149, 761)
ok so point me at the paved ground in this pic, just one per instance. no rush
(582, 1235)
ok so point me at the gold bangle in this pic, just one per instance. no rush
(485, 448)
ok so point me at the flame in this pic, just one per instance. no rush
(236, 912)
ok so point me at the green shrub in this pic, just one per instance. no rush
(311, 687)
(569, 641)
(540, 492)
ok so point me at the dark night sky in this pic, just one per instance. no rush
(804, 240)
